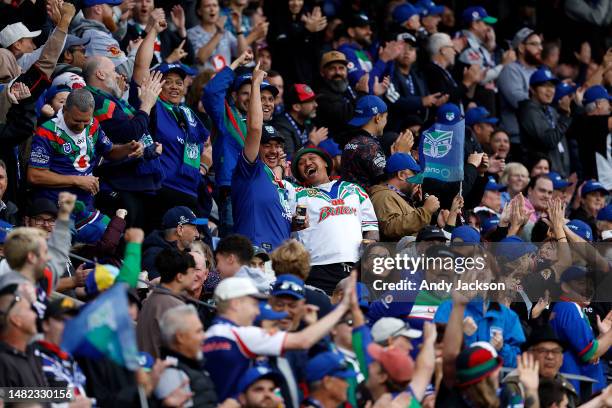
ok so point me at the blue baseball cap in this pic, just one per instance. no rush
(91, 3)
(5, 228)
(472, 14)
(429, 8)
(466, 234)
(180, 216)
(595, 93)
(267, 313)
(492, 185)
(489, 224)
(558, 181)
(404, 12)
(288, 285)
(563, 89)
(574, 272)
(605, 214)
(328, 364)
(367, 107)
(593, 185)
(448, 114)
(257, 373)
(241, 80)
(332, 148)
(581, 228)
(266, 86)
(479, 114)
(178, 67)
(401, 161)
(516, 250)
(542, 76)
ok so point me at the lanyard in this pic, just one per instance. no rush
(549, 116)
(409, 83)
(397, 190)
(301, 133)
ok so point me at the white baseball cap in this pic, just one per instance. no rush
(15, 32)
(389, 327)
(235, 287)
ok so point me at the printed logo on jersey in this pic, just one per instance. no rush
(327, 212)
(82, 163)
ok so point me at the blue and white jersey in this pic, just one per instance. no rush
(229, 350)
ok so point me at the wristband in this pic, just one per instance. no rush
(240, 33)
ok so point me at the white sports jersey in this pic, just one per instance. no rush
(338, 213)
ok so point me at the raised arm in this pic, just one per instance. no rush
(308, 337)
(144, 56)
(254, 117)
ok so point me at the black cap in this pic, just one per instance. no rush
(269, 133)
(61, 307)
(431, 233)
(540, 335)
(41, 206)
(358, 20)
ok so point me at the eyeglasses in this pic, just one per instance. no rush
(287, 285)
(541, 350)
(42, 221)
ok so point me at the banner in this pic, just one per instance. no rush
(441, 151)
(103, 328)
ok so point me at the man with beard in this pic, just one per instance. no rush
(361, 62)
(260, 200)
(337, 211)
(573, 329)
(98, 27)
(295, 123)
(393, 199)
(257, 388)
(130, 180)
(335, 97)
(513, 81)
(228, 114)
(542, 126)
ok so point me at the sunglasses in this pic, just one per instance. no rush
(287, 285)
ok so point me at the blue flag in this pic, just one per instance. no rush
(441, 151)
(103, 328)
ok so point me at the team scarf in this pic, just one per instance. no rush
(234, 124)
(105, 111)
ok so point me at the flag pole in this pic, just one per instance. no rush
(461, 188)
(143, 397)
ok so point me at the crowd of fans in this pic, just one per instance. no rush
(243, 167)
